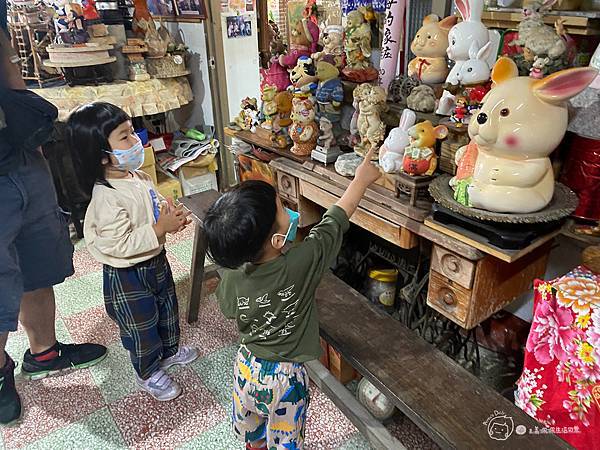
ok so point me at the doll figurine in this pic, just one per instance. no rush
(330, 92)
(303, 77)
(269, 106)
(333, 46)
(371, 103)
(537, 70)
(420, 158)
(247, 116)
(429, 45)
(305, 38)
(358, 49)
(304, 131)
(460, 112)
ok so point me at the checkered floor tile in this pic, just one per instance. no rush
(102, 407)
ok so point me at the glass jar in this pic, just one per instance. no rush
(381, 287)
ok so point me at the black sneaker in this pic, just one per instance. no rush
(10, 402)
(61, 357)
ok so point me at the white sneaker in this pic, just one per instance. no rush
(160, 386)
(184, 355)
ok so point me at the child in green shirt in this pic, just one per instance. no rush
(270, 293)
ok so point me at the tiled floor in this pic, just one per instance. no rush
(101, 407)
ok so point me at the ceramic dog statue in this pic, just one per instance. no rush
(520, 123)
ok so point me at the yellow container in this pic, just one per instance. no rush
(382, 286)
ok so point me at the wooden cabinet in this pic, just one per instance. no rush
(469, 292)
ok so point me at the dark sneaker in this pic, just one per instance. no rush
(10, 402)
(61, 357)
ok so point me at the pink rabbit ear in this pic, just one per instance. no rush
(563, 85)
(463, 8)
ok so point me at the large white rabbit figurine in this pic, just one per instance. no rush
(521, 121)
(466, 33)
(391, 152)
(476, 69)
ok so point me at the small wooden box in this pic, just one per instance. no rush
(339, 368)
(324, 359)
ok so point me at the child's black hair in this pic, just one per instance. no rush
(88, 128)
(238, 224)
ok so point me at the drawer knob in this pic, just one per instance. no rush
(449, 299)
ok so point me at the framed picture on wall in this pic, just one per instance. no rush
(162, 8)
(191, 8)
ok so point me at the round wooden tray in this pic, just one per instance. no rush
(80, 49)
(562, 205)
(82, 63)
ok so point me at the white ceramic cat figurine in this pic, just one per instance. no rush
(520, 123)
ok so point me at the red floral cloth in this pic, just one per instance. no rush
(560, 384)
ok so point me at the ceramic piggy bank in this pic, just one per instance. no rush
(429, 46)
(520, 123)
(419, 156)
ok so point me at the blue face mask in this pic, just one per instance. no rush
(130, 159)
(290, 236)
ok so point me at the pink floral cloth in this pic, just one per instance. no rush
(560, 384)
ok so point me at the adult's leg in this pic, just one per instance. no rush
(37, 316)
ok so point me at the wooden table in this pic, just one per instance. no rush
(469, 280)
(198, 205)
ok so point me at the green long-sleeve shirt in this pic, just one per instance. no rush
(273, 303)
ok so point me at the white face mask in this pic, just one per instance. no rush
(130, 159)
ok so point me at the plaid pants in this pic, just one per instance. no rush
(142, 301)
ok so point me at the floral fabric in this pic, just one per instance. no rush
(560, 384)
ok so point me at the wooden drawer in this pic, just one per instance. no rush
(453, 266)
(449, 298)
(287, 185)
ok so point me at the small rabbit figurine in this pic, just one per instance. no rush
(391, 152)
(476, 69)
(512, 171)
(466, 33)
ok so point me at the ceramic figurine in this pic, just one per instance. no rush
(371, 103)
(422, 99)
(333, 46)
(276, 45)
(248, 115)
(303, 76)
(305, 38)
(537, 70)
(358, 49)
(330, 92)
(466, 34)
(327, 150)
(281, 121)
(304, 131)
(429, 46)
(460, 112)
(276, 75)
(420, 158)
(391, 153)
(269, 106)
(538, 37)
(519, 125)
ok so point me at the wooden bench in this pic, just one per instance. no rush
(448, 403)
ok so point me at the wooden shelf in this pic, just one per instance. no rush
(253, 139)
(585, 23)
